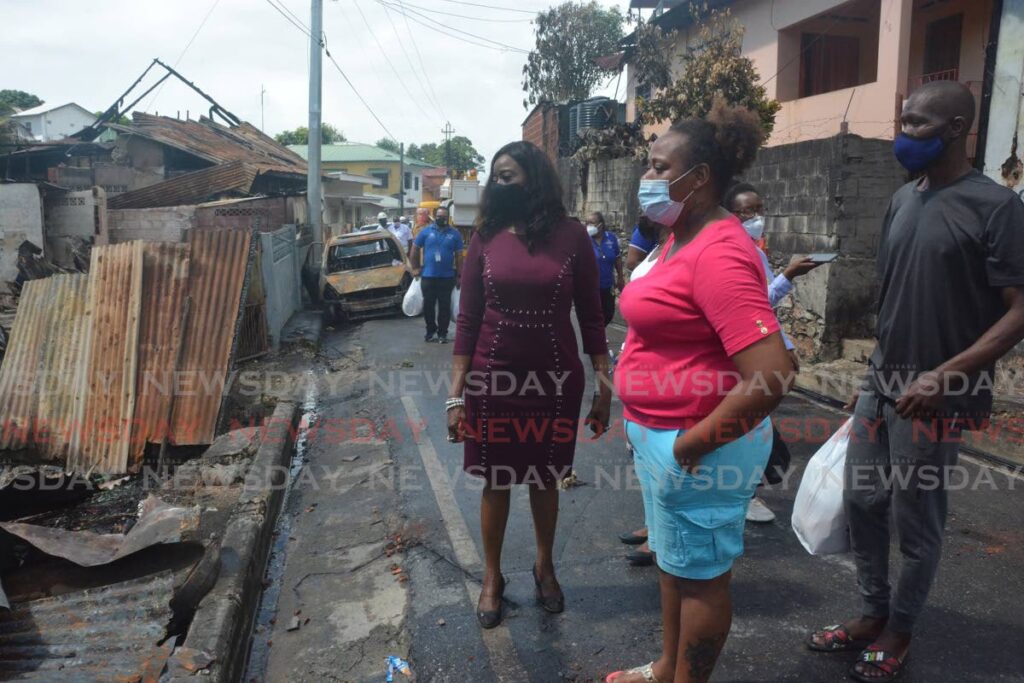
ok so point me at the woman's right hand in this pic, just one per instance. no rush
(456, 424)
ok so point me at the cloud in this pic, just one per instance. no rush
(90, 53)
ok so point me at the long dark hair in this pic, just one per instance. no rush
(544, 207)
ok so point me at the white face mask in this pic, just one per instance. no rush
(754, 227)
(592, 230)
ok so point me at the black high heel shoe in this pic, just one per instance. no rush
(554, 605)
(488, 619)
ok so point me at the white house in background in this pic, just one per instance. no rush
(54, 122)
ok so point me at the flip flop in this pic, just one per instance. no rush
(647, 671)
(836, 639)
(881, 660)
(632, 539)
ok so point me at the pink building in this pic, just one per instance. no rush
(847, 66)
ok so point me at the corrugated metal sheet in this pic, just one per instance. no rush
(164, 288)
(41, 377)
(190, 188)
(216, 143)
(100, 634)
(114, 297)
(217, 275)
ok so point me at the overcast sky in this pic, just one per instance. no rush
(90, 52)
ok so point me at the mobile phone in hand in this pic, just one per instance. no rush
(823, 258)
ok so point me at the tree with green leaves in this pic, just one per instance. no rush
(11, 100)
(390, 145)
(714, 66)
(300, 136)
(569, 37)
(464, 156)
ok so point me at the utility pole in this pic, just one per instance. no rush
(313, 188)
(401, 178)
(263, 122)
(448, 130)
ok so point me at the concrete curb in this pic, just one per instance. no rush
(223, 621)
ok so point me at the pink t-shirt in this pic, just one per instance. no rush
(686, 317)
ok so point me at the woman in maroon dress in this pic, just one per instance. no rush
(517, 377)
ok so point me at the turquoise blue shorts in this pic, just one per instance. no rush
(695, 520)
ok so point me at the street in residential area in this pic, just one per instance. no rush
(384, 559)
(458, 341)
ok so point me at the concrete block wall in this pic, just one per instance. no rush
(21, 218)
(610, 187)
(69, 217)
(164, 224)
(827, 195)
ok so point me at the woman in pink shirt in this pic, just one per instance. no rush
(703, 367)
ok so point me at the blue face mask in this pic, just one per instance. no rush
(917, 154)
(656, 202)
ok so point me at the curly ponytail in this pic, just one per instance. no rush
(727, 140)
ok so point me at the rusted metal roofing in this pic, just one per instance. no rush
(109, 633)
(101, 444)
(217, 275)
(214, 142)
(190, 188)
(164, 288)
(41, 377)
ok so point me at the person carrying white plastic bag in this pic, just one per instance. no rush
(819, 518)
(412, 304)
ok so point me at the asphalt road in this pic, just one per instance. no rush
(971, 630)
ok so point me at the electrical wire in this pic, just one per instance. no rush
(323, 44)
(807, 47)
(463, 16)
(383, 52)
(461, 35)
(152, 101)
(505, 9)
(425, 85)
(365, 103)
(294, 16)
(305, 29)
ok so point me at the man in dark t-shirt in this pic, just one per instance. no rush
(951, 303)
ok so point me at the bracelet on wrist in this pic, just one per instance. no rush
(454, 403)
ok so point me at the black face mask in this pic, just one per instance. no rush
(508, 201)
(383, 223)
(441, 221)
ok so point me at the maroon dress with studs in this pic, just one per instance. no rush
(526, 380)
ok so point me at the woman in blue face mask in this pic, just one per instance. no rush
(703, 367)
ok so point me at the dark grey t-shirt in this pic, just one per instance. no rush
(943, 259)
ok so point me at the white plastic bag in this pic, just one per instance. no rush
(455, 303)
(819, 518)
(412, 304)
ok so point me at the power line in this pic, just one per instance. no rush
(383, 51)
(365, 104)
(426, 77)
(184, 50)
(805, 49)
(506, 9)
(299, 25)
(463, 16)
(323, 46)
(294, 15)
(461, 35)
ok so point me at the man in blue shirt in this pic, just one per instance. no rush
(609, 262)
(435, 259)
